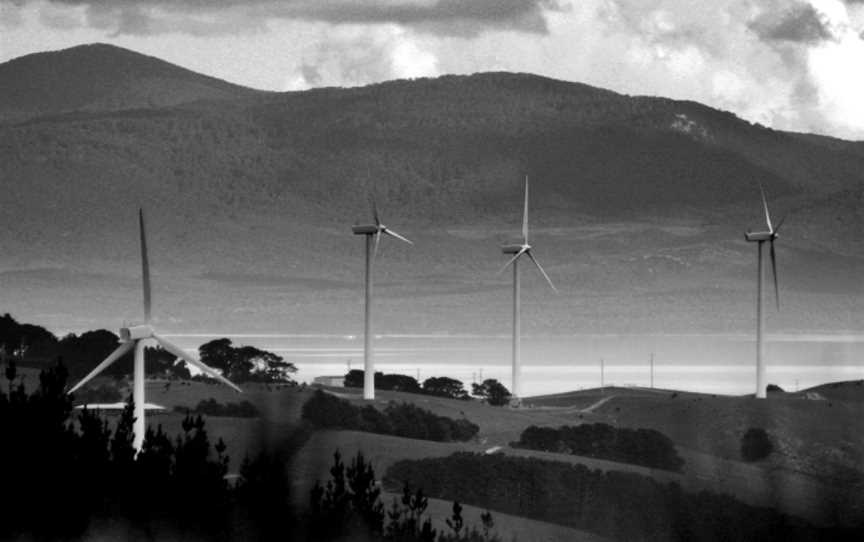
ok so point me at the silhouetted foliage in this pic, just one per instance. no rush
(618, 505)
(392, 382)
(349, 507)
(772, 388)
(404, 420)
(246, 363)
(78, 469)
(646, 447)
(443, 386)
(492, 391)
(756, 444)
(211, 407)
(25, 342)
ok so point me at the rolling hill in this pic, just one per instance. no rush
(100, 77)
(638, 203)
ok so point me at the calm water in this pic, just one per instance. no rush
(707, 363)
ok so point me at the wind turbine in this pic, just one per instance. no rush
(518, 250)
(138, 337)
(760, 238)
(373, 234)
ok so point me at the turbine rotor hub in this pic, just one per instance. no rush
(134, 333)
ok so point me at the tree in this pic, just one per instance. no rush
(245, 363)
(443, 386)
(81, 353)
(492, 391)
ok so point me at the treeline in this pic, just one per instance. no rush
(646, 447)
(211, 407)
(398, 419)
(34, 346)
(489, 390)
(620, 505)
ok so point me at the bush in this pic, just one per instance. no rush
(756, 444)
(774, 388)
(646, 447)
(210, 407)
(399, 419)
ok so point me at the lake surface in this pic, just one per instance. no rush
(723, 364)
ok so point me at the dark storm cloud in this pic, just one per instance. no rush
(434, 16)
(800, 24)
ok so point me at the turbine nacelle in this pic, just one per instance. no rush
(367, 229)
(135, 333)
(514, 249)
(760, 236)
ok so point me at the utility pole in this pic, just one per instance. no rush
(652, 370)
(602, 375)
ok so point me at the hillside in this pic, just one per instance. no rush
(638, 203)
(852, 391)
(100, 77)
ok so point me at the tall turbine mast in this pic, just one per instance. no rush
(518, 250)
(373, 234)
(138, 338)
(761, 238)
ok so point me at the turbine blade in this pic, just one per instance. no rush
(511, 260)
(765, 206)
(533, 259)
(112, 357)
(525, 214)
(377, 242)
(145, 266)
(397, 236)
(782, 220)
(774, 269)
(177, 351)
(375, 211)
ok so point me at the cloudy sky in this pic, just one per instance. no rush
(790, 64)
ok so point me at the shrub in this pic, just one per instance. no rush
(399, 419)
(756, 444)
(210, 407)
(646, 447)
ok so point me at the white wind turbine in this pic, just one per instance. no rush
(760, 238)
(138, 337)
(518, 250)
(371, 231)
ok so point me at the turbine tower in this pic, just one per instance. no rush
(518, 250)
(373, 234)
(138, 337)
(760, 238)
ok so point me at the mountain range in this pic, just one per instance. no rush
(638, 204)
